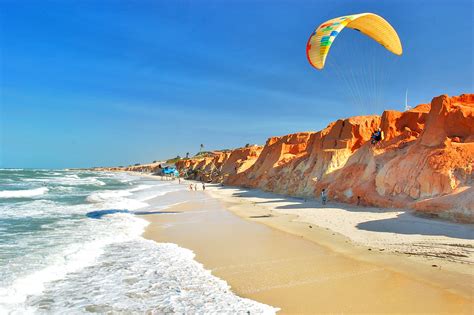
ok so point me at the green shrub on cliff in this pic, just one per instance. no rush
(173, 160)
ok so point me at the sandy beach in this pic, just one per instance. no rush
(393, 230)
(303, 258)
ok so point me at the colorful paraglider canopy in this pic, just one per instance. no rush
(370, 24)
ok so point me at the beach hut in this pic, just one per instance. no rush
(167, 170)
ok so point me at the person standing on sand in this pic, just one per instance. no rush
(203, 186)
(324, 197)
(195, 187)
(191, 187)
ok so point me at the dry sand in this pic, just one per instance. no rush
(308, 269)
(393, 230)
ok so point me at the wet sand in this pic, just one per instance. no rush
(299, 275)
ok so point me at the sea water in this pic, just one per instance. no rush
(71, 243)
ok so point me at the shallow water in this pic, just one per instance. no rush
(71, 242)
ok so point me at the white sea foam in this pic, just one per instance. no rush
(122, 227)
(140, 187)
(115, 200)
(67, 181)
(107, 195)
(142, 276)
(161, 189)
(37, 208)
(133, 198)
(54, 173)
(25, 193)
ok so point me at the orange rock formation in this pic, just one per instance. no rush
(424, 163)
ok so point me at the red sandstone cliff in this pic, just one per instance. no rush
(424, 163)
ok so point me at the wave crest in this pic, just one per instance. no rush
(25, 193)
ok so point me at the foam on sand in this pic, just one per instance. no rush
(143, 276)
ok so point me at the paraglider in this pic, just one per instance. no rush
(363, 83)
(372, 25)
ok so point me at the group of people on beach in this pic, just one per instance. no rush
(195, 186)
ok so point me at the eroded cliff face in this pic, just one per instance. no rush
(205, 168)
(424, 163)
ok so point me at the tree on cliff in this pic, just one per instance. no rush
(201, 148)
(187, 155)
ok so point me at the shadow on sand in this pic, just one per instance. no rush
(405, 223)
(302, 203)
(100, 213)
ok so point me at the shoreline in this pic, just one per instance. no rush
(446, 278)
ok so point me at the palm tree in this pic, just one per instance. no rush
(201, 148)
(187, 155)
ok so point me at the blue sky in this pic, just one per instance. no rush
(88, 83)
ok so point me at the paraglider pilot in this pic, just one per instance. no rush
(376, 136)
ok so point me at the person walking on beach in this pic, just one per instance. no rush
(203, 186)
(324, 197)
(191, 187)
(195, 187)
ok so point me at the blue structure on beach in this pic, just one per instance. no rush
(167, 170)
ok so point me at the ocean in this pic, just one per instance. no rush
(71, 243)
